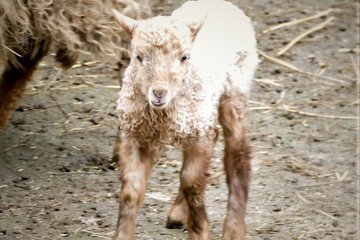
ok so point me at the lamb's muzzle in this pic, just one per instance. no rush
(188, 72)
(159, 97)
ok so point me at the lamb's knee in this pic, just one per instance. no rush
(232, 111)
(132, 192)
(191, 177)
(193, 184)
(129, 197)
(193, 180)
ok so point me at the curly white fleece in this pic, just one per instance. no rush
(223, 58)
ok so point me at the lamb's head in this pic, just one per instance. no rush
(160, 54)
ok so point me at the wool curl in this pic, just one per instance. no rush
(68, 25)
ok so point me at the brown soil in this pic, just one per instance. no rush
(57, 180)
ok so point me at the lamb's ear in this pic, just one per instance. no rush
(192, 14)
(127, 23)
(195, 27)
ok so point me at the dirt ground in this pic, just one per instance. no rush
(57, 180)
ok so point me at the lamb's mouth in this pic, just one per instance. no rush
(158, 99)
(158, 103)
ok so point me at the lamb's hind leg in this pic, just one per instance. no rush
(17, 72)
(178, 213)
(193, 180)
(237, 163)
(135, 163)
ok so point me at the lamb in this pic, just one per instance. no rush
(188, 72)
(30, 29)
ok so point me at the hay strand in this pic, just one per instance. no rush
(296, 69)
(291, 109)
(12, 51)
(326, 214)
(309, 114)
(303, 35)
(297, 21)
(302, 198)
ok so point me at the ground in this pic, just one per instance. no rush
(57, 180)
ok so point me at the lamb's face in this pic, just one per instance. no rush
(160, 58)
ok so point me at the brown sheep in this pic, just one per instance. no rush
(30, 29)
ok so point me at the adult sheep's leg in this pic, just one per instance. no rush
(17, 72)
(193, 180)
(135, 163)
(232, 111)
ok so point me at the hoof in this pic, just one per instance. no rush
(173, 224)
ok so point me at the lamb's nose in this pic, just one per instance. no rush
(159, 93)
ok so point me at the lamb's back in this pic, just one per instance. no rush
(224, 51)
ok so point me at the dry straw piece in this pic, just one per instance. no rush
(304, 34)
(296, 69)
(297, 21)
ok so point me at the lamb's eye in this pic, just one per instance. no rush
(184, 58)
(139, 58)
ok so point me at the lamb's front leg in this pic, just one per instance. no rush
(236, 163)
(193, 180)
(135, 163)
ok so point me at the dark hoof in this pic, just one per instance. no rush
(115, 158)
(174, 224)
